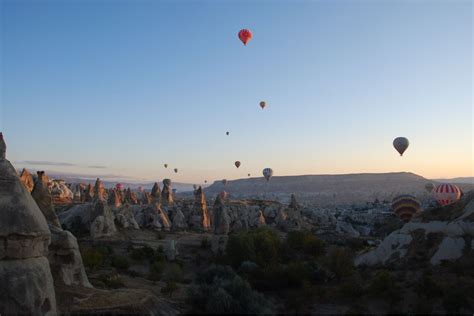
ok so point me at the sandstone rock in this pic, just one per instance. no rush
(77, 194)
(167, 194)
(27, 179)
(125, 218)
(221, 218)
(156, 192)
(114, 199)
(130, 197)
(346, 229)
(60, 192)
(449, 249)
(179, 221)
(294, 203)
(88, 193)
(65, 259)
(26, 284)
(199, 217)
(44, 200)
(152, 216)
(103, 224)
(146, 198)
(99, 190)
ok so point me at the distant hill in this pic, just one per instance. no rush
(465, 180)
(327, 190)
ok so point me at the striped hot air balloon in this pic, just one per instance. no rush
(405, 206)
(447, 193)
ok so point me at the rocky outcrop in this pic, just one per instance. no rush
(94, 219)
(99, 190)
(156, 193)
(25, 276)
(199, 217)
(130, 197)
(152, 216)
(171, 250)
(421, 241)
(293, 202)
(114, 199)
(88, 193)
(178, 220)
(145, 198)
(167, 194)
(43, 199)
(60, 192)
(65, 259)
(221, 218)
(27, 179)
(124, 218)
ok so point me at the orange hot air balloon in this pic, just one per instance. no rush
(245, 36)
(237, 163)
(263, 104)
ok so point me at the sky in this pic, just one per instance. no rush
(118, 88)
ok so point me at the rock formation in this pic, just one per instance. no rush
(145, 198)
(60, 192)
(99, 190)
(221, 218)
(130, 197)
(114, 199)
(178, 220)
(171, 250)
(125, 218)
(199, 217)
(167, 194)
(43, 199)
(294, 203)
(88, 193)
(77, 193)
(27, 179)
(26, 283)
(156, 193)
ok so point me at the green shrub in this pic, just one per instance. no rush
(111, 280)
(384, 285)
(92, 259)
(169, 289)
(426, 287)
(351, 288)
(261, 246)
(297, 272)
(305, 242)
(120, 262)
(174, 273)
(221, 291)
(339, 261)
(142, 254)
(156, 271)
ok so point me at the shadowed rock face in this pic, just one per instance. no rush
(221, 217)
(44, 200)
(25, 276)
(130, 197)
(89, 193)
(167, 194)
(114, 198)
(99, 190)
(156, 192)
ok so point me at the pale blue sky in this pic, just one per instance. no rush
(129, 85)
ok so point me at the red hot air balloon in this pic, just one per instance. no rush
(119, 186)
(245, 36)
(446, 193)
(237, 164)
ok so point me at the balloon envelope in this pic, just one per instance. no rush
(263, 104)
(119, 186)
(245, 36)
(405, 206)
(227, 133)
(401, 144)
(237, 163)
(175, 170)
(166, 165)
(267, 173)
(447, 193)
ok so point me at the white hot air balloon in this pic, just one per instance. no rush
(267, 173)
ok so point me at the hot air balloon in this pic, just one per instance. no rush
(227, 133)
(263, 104)
(167, 182)
(224, 181)
(267, 173)
(205, 181)
(429, 187)
(245, 36)
(166, 165)
(405, 206)
(248, 174)
(401, 144)
(447, 193)
(237, 164)
(119, 186)
(175, 170)
(223, 195)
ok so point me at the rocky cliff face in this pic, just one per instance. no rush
(43, 198)
(440, 234)
(25, 276)
(199, 217)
